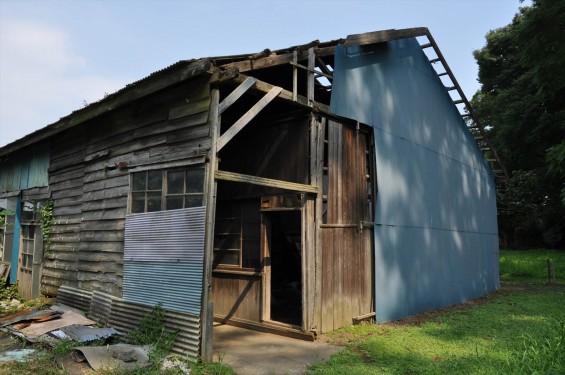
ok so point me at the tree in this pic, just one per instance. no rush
(522, 100)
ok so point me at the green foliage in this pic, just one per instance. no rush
(65, 346)
(9, 292)
(541, 355)
(151, 331)
(3, 214)
(216, 368)
(556, 162)
(517, 266)
(521, 100)
(46, 214)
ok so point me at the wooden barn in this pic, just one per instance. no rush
(291, 191)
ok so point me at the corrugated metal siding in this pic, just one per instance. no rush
(73, 297)
(165, 236)
(125, 317)
(164, 259)
(436, 230)
(101, 306)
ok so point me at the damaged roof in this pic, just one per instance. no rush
(187, 69)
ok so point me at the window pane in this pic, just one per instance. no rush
(226, 257)
(175, 182)
(137, 202)
(195, 180)
(28, 261)
(174, 202)
(139, 181)
(154, 180)
(31, 233)
(28, 211)
(153, 202)
(193, 200)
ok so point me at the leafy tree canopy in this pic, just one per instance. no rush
(522, 100)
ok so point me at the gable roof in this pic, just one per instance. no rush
(188, 69)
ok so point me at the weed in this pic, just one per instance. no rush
(151, 331)
(9, 292)
(64, 346)
(541, 355)
(216, 368)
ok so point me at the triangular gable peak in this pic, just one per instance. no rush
(304, 72)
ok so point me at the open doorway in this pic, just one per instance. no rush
(284, 248)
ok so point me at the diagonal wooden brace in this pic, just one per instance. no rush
(247, 117)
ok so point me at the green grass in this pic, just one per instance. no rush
(530, 266)
(485, 338)
(518, 330)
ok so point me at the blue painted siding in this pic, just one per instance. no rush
(25, 170)
(16, 243)
(436, 237)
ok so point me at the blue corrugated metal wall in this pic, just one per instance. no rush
(436, 237)
(164, 259)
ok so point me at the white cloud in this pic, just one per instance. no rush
(41, 78)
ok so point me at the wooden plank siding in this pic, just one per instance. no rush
(346, 284)
(91, 195)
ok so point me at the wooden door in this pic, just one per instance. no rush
(347, 226)
(29, 260)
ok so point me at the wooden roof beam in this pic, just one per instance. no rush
(384, 36)
(273, 60)
(264, 87)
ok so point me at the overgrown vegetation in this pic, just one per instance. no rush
(151, 331)
(46, 215)
(519, 266)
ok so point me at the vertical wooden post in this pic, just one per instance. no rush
(295, 76)
(550, 272)
(311, 76)
(207, 314)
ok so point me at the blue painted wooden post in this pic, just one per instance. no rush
(16, 244)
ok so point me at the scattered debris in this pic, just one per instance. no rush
(19, 355)
(83, 333)
(122, 357)
(34, 331)
(29, 316)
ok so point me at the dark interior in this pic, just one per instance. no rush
(286, 270)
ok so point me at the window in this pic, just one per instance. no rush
(159, 190)
(237, 234)
(30, 232)
(28, 243)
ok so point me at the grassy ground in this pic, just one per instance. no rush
(530, 266)
(518, 330)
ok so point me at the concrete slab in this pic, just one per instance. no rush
(256, 353)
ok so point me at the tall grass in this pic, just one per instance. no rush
(517, 265)
(541, 355)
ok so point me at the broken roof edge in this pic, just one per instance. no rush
(187, 69)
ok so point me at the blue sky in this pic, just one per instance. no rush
(57, 55)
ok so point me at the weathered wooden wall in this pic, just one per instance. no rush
(91, 195)
(346, 277)
(25, 169)
(237, 296)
